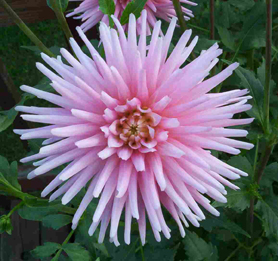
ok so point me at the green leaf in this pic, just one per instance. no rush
(48, 249)
(270, 175)
(211, 222)
(108, 8)
(38, 213)
(252, 34)
(5, 225)
(226, 37)
(269, 210)
(250, 82)
(57, 221)
(77, 252)
(8, 173)
(198, 249)
(7, 118)
(54, 49)
(62, 3)
(203, 44)
(243, 5)
(134, 7)
(238, 199)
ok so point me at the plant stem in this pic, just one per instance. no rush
(233, 253)
(18, 206)
(263, 162)
(179, 13)
(56, 257)
(142, 252)
(61, 18)
(258, 175)
(25, 29)
(212, 32)
(268, 62)
(256, 158)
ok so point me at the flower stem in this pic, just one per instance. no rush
(56, 5)
(268, 62)
(25, 29)
(56, 257)
(212, 32)
(179, 13)
(18, 206)
(258, 176)
(233, 253)
(142, 252)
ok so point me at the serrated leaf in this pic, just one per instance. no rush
(226, 37)
(8, 173)
(211, 222)
(198, 249)
(38, 213)
(269, 211)
(62, 3)
(77, 252)
(238, 199)
(48, 249)
(203, 44)
(57, 221)
(5, 225)
(134, 7)
(7, 117)
(270, 175)
(252, 34)
(243, 5)
(250, 82)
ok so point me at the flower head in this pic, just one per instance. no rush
(91, 14)
(137, 127)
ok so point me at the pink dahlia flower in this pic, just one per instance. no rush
(90, 13)
(137, 126)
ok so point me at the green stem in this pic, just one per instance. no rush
(256, 157)
(233, 253)
(25, 29)
(142, 252)
(268, 62)
(18, 206)
(218, 88)
(179, 13)
(56, 257)
(258, 175)
(61, 18)
(212, 32)
(263, 162)
(199, 28)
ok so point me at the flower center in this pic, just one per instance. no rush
(131, 125)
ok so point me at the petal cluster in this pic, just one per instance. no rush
(90, 14)
(137, 127)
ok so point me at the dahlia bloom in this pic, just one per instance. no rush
(137, 127)
(90, 13)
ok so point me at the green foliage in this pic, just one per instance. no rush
(211, 222)
(108, 8)
(61, 3)
(77, 252)
(56, 221)
(269, 210)
(5, 224)
(134, 7)
(47, 250)
(198, 249)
